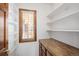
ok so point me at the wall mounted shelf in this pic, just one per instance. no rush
(63, 30)
(62, 17)
(58, 6)
(49, 30)
(63, 11)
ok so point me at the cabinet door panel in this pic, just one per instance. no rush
(1, 29)
(3, 41)
(43, 48)
(48, 54)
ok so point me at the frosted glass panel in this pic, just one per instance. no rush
(28, 24)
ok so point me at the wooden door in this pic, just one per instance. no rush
(3, 48)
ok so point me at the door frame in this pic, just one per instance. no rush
(4, 28)
(4, 9)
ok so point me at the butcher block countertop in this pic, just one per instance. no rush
(58, 48)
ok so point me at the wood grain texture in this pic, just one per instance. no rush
(58, 48)
(4, 15)
(4, 6)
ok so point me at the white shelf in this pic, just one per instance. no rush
(64, 14)
(55, 8)
(49, 30)
(63, 30)
(61, 18)
(63, 11)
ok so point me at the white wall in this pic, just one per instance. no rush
(71, 38)
(32, 48)
(28, 49)
(68, 23)
(12, 28)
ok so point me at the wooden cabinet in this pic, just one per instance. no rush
(52, 47)
(43, 51)
(3, 29)
(48, 54)
(4, 6)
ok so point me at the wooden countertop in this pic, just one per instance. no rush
(58, 48)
